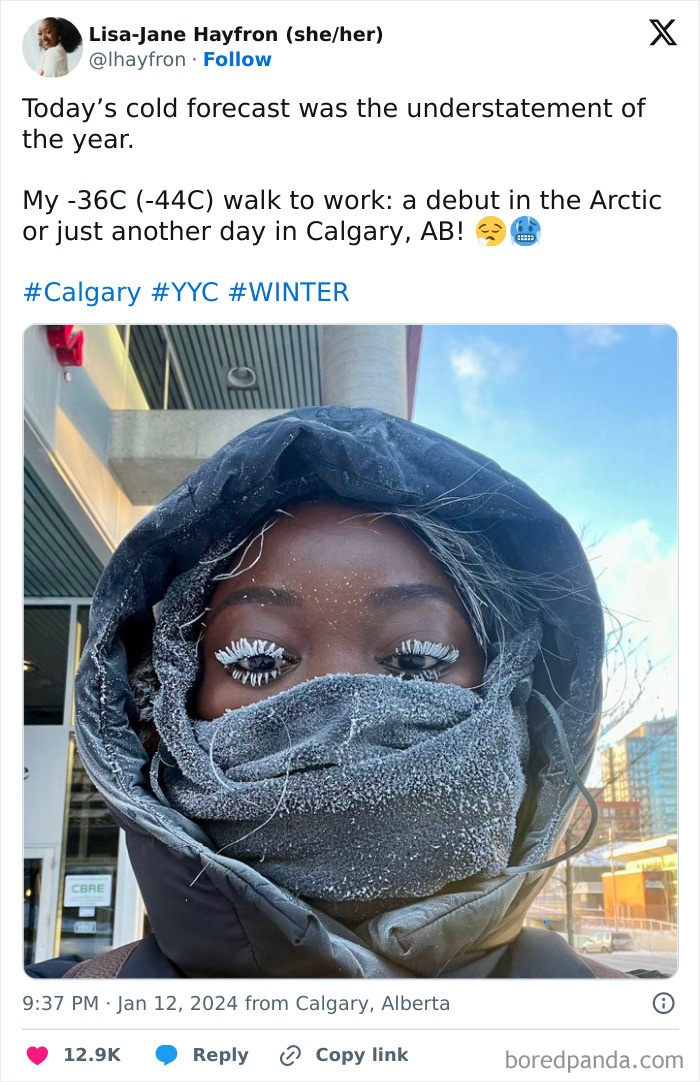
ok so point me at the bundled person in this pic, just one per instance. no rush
(341, 690)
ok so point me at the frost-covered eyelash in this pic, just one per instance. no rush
(445, 655)
(257, 679)
(438, 650)
(244, 648)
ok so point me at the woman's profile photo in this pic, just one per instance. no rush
(53, 47)
(341, 691)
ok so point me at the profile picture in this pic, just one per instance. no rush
(52, 47)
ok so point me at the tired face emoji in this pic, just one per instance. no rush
(490, 231)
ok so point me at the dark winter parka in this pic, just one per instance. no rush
(230, 921)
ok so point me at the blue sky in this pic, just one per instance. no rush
(587, 416)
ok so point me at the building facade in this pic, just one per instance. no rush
(618, 820)
(115, 418)
(642, 767)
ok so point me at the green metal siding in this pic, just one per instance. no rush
(57, 562)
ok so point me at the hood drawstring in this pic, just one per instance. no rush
(578, 782)
(161, 757)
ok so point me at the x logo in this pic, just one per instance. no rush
(662, 32)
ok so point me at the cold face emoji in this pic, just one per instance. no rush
(490, 231)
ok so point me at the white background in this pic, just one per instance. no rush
(591, 267)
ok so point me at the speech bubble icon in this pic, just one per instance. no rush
(166, 1053)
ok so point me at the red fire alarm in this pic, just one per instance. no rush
(68, 346)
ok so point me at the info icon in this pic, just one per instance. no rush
(525, 231)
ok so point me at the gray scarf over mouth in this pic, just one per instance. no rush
(354, 792)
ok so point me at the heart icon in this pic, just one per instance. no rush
(37, 1055)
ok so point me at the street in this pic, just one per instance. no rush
(665, 961)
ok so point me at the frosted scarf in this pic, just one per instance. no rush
(355, 792)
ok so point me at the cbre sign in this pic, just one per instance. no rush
(82, 890)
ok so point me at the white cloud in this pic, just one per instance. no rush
(483, 357)
(468, 366)
(595, 336)
(479, 366)
(483, 370)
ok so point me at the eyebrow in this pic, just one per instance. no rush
(410, 592)
(259, 595)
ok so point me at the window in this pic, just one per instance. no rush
(46, 636)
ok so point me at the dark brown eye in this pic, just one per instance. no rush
(421, 660)
(255, 662)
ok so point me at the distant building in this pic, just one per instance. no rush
(618, 820)
(642, 767)
(638, 895)
(655, 855)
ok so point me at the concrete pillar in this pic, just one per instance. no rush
(365, 365)
(152, 451)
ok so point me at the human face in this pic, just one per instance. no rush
(336, 590)
(48, 34)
